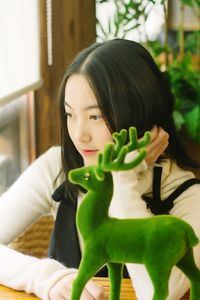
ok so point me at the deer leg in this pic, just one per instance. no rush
(115, 275)
(189, 268)
(87, 269)
(159, 276)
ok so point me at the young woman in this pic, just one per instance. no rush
(107, 87)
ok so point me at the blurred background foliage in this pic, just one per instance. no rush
(177, 52)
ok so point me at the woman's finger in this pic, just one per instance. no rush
(157, 145)
(154, 133)
(96, 290)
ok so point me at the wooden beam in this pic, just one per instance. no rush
(73, 28)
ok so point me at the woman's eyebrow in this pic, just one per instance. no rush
(85, 108)
(91, 107)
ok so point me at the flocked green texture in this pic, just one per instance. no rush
(158, 242)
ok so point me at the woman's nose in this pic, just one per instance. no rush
(83, 132)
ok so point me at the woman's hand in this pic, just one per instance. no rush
(62, 290)
(158, 144)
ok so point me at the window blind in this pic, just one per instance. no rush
(19, 48)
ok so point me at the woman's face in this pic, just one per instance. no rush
(87, 128)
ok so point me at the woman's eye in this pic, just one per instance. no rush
(95, 117)
(68, 115)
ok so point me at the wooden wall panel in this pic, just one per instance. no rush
(73, 28)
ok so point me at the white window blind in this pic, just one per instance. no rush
(19, 48)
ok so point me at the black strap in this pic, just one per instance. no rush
(64, 244)
(184, 186)
(158, 206)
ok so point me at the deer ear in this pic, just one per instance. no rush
(99, 174)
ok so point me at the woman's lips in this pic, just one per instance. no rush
(88, 152)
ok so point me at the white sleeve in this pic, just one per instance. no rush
(30, 274)
(126, 201)
(186, 207)
(29, 197)
(23, 203)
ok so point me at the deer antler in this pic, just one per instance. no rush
(113, 156)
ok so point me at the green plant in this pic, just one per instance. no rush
(128, 15)
(175, 60)
(185, 83)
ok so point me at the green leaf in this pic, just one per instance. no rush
(187, 2)
(192, 123)
(178, 119)
(191, 41)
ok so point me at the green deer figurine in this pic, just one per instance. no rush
(114, 242)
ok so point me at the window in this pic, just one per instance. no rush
(19, 77)
(16, 139)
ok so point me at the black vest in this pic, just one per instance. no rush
(64, 244)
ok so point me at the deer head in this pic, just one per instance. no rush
(112, 159)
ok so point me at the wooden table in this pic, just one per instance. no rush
(127, 292)
(7, 293)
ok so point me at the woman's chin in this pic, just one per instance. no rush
(90, 161)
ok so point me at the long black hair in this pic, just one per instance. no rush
(130, 91)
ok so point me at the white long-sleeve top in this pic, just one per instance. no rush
(30, 197)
